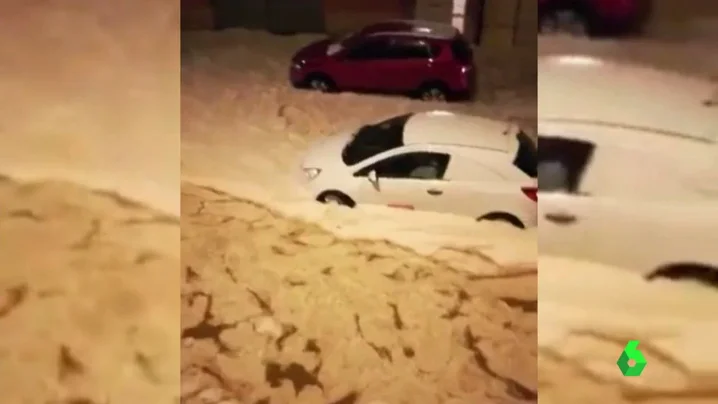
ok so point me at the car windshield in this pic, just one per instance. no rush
(526, 157)
(346, 40)
(371, 140)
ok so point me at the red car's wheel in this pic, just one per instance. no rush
(433, 91)
(320, 82)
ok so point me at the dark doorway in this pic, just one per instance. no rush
(292, 16)
(474, 20)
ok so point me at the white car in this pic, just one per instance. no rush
(432, 161)
(628, 167)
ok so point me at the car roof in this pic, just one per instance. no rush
(450, 129)
(413, 28)
(646, 142)
(583, 89)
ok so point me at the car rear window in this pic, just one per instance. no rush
(526, 158)
(371, 140)
(461, 50)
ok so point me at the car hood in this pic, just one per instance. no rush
(314, 50)
(327, 152)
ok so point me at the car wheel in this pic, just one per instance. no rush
(336, 198)
(433, 92)
(705, 274)
(320, 82)
(503, 217)
(564, 22)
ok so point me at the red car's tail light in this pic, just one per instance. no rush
(531, 193)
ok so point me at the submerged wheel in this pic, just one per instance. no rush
(320, 82)
(436, 92)
(705, 274)
(503, 217)
(336, 198)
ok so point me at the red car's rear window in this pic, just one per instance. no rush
(462, 50)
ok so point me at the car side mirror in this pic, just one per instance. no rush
(373, 178)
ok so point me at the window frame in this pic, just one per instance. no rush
(410, 42)
(366, 42)
(364, 171)
(582, 153)
(526, 148)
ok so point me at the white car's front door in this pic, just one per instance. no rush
(411, 180)
(583, 220)
(566, 225)
(407, 193)
(657, 234)
(644, 236)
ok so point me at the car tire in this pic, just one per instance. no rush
(320, 82)
(705, 274)
(434, 91)
(503, 217)
(337, 198)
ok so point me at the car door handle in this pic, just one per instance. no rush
(561, 218)
(434, 192)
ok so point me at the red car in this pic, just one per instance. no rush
(591, 17)
(428, 60)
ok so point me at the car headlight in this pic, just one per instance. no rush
(312, 173)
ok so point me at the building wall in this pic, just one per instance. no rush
(509, 23)
(504, 22)
(349, 15)
(434, 10)
(682, 17)
(295, 16)
(491, 23)
(240, 13)
(282, 16)
(196, 15)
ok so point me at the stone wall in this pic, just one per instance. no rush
(434, 10)
(510, 23)
(683, 19)
(196, 15)
(349, 15)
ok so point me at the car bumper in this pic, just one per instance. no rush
(531, 218)
(304, 188)
(296, 75)
(466, 87)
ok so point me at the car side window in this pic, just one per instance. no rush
(413, 165)
(409, 49)
(562, 163)
(369, 49)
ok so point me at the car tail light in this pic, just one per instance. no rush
(531, 193)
